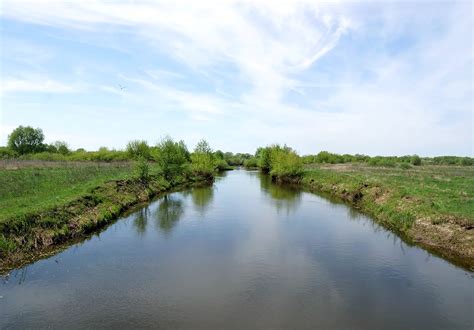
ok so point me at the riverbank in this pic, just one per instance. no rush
(432, 206)
(44, 207)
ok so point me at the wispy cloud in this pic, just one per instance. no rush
(36, 84)
(368, 77)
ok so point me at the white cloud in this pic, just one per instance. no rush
(35, 84)
(415, 100)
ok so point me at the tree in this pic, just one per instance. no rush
(25, 140)
(202, 160)
(171, 157)
(61, 147)
(416, 160)
(138, 148)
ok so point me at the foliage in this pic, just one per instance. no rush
(281, 162)
(24, 140)
(7, 153)
(405, 166)
(286, 165)
(138, 149)
(222, 165)
(172, 157)
(251, 162)
(264, 156)
(142, 169)
(202, 160)
(416, 160)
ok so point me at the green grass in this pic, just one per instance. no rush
(438, 193)
(26, 190)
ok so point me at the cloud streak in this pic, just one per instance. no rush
(345, 76)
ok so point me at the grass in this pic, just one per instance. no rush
(438, 193)
(29, 189)
(46, 205)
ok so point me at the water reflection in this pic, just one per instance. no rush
(251, 269)
(168, 213)
(284, 198)
(141, 221)
(202, 198)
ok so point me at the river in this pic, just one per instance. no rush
(244, 253)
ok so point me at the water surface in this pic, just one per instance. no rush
(242, 254)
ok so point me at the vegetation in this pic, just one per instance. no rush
(137, 149)
(325, 157)
(172, 157)
(58, 194)
(61, 193)
(24, 140)
(203, 161)
(142, 170)
(282, 163)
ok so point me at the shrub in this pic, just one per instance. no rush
(264, 159)
(222, 165)
(405, 166)
(416, 160)
(466, 161)
(171, 157)
(137, 149)
(142, 169)
(251, 163)
(202, 160)
(286, 165)
(7, 153)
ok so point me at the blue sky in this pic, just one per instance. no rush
(374, 77)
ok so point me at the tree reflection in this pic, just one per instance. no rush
(202, 198)
(141, 221)
(283, 197)
(168, 213)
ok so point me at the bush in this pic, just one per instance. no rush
(138, 149)
(466, 161)
(171, 157)
(61, 147)
(7, 153)
(251, 163)
(405, 166)
(416, 160)
(142, 169)
(202, 161)
(286, 165)
(222, 165)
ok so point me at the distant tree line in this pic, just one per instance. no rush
(26, 142)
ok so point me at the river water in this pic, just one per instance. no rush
(243, 253)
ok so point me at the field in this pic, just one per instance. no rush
(27, 187)
(442, 193)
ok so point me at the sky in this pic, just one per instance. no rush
(370, 77)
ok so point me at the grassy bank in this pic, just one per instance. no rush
(430, 205)
(48, 205)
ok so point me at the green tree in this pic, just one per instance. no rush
(61, 147)
(25, 140)
(416, 160)
(138, 148)
(172, 157)
(202, 160)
